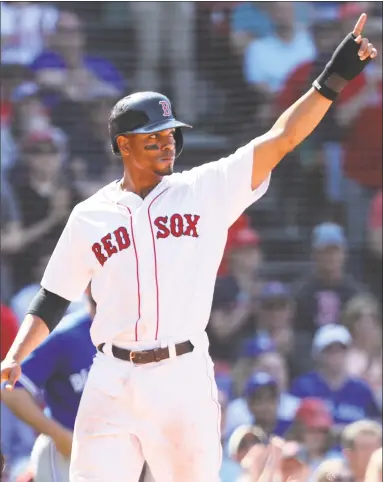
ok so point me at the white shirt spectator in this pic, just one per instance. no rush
(269, 60)
(24, 26)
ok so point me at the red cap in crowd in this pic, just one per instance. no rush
(314, 413)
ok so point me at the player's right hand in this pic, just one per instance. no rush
(63, 440)
(10, 373)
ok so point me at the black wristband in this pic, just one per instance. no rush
(330, 84)
(344, 66)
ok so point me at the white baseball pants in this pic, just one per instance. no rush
(166, 413)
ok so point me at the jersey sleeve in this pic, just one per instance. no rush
(40, 365)
(68, 271)
(226, 183)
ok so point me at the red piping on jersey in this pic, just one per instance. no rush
(137, 272)
(155, 260)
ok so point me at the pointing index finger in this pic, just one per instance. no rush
(360, 25)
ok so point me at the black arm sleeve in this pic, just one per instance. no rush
(49, 307)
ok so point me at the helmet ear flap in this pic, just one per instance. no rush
(179, 141)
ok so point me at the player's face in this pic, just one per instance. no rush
(154, 153)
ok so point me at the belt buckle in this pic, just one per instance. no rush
(131, 357)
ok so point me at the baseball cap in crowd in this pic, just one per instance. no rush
(24, 90)
(258, 381)
(314, 413)
(40, 142)
(328, 335)
(274, 290)
(253, 347)
(243, 438)
(244, 237)
(328, 234)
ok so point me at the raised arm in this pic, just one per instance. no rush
(299, 120)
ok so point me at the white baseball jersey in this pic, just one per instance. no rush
(153, 262)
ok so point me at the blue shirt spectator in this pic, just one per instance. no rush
(262, 405)
(349, 399)
(68, 71)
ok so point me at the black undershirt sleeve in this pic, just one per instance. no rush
(49, 307)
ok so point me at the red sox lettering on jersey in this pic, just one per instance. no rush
(149, 258)
(176, 225)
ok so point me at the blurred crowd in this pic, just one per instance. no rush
(298, 358)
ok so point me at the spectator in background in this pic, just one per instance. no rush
(240, 443)
(249, 21)
(93, 163)
(290, 44)
(165, 34)
(312, 430)
(374, 469)
(359, 441)
(317, 176)
(321, 295)
(25, 27)
(31, 115)
(274, 320)
(350, 399)
(332, 470)
(263, 403)
(235, 294)
(11, 237)
(59, 384)
(9, 328)
(44, 199)
(276, 461)
(17, 438)
(259, 354)
(230, 469)
(275, 323)
(360, 106)
(375, 244)
(68, 71)
(362, 316)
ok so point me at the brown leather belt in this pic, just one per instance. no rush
(148, 356)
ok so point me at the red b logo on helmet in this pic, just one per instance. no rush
(166, 109)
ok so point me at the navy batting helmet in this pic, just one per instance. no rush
(143, 113)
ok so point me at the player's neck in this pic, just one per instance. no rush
(140, 184)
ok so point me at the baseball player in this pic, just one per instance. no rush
(151, 244)
(55, 372)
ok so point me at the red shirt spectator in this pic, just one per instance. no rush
(9, 329)
(242, 222)
(363, 162)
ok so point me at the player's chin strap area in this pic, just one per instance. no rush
(148, 356)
